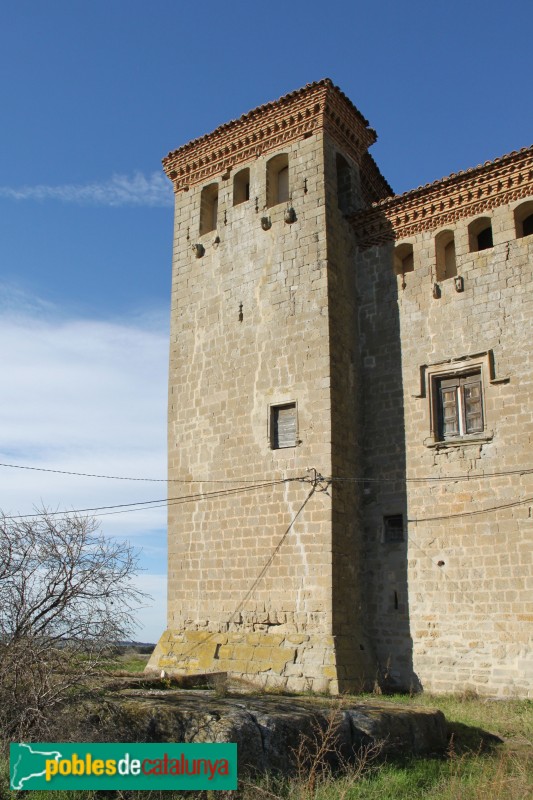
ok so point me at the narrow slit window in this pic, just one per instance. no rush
(241, 187)
(344, 185)
(278, 180)
(209, 208)
(283, 426)
(445, 256)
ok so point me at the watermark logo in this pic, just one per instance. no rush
(123, 766)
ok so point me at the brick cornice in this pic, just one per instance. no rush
(444, 202)
(317, 106)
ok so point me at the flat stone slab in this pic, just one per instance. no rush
(269, 729)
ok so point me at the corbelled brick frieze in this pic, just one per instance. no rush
(318, 106)
(463, 194)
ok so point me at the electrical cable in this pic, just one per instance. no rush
(435, 478)
(125, 478)
(426, 479)
(473, 513)
(139, 506)
(257, 579)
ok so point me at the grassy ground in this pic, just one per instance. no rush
(130, 661)
(489, 758)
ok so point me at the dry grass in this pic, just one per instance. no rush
(489, 758)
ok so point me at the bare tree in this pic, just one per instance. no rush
(66, 594)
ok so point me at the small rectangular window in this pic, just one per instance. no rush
(283, 426)
(393, 528)
(460, 405)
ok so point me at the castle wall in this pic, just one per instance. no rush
(350, 420)
(355, 656)
(460, 584)
(250, 566)
(385, 607)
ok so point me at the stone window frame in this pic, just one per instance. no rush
(271, 425)
(430, 377)
(276, 165)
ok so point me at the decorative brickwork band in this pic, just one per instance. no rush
(318, 106)
(446, 201)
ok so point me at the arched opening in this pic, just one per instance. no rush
(344, 185)
(241, 186)
(209, 208)
(278, 186)
(446, 265)
(403, 259)
(523, 219)
(480, 234)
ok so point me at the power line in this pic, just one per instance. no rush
(125, 508)
(83, 474)
(125, 478)
(473, 513)
(159, 503)
(253, 586)
(336, 479)
(434, 478)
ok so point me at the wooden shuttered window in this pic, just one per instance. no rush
(473, 410)
(283, 426)
(460, 402)
(449, 409)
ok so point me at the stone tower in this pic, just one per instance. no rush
(350, 412)
(264, 552)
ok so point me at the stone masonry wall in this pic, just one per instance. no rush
(250, 560)
(462, 581)
(374, 549)
(354, 648)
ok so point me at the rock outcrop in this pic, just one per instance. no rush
(269, 730)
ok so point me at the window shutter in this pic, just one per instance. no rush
(472, 404)
(284, 426)
(449, 408)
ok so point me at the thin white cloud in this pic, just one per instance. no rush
(86, 396)
(120, 190)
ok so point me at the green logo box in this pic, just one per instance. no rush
(123, 766)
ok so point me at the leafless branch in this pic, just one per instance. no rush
(66, 593)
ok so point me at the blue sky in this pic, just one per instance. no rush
(93, 95)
